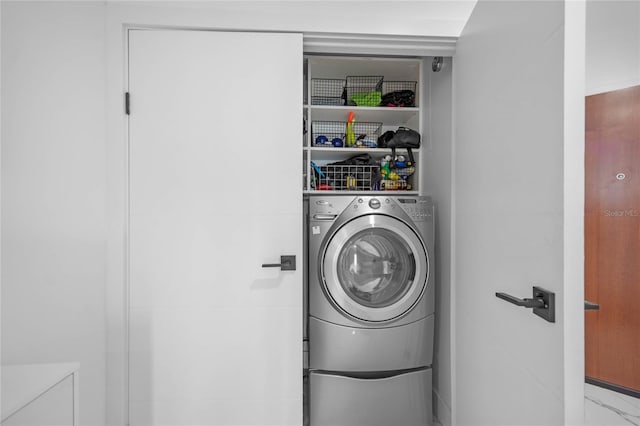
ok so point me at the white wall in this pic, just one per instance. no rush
(613, 45)
(410, 18)
(58, 171)
(431, 18)
(53, 191)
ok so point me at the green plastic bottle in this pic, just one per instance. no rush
(350, 139)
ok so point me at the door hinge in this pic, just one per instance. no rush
(127, 107)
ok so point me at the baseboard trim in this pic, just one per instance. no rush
(442, 411)
(616, 388)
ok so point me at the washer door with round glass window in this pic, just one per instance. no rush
(375, 268)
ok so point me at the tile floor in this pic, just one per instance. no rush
(607, 408)
(602, 408)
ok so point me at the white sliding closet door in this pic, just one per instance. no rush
(215, 179)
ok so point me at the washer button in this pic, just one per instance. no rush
(374, 203)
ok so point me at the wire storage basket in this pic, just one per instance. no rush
(325, 133)
(395, 185)
(396, 179)
(327, 91)
(398, 93)
(364, 90)
(347, 177)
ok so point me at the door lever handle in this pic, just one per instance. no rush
(543, 302)
(526, 303)
(287, 263)
(590, 306)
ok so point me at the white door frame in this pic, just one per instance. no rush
(117, 268)
(574, 189)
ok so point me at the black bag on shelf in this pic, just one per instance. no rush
(400, 98)
(385, 138)
(404, 138)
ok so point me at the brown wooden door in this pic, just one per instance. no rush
(612, 238)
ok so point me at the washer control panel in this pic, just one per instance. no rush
(418, 208)
(327, 208)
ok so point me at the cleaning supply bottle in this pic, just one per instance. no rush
(350, 138)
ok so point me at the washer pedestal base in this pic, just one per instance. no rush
(335, 347)
(401, 400)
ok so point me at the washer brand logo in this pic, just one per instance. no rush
(620, 213)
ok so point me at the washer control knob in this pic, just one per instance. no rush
(374, 203)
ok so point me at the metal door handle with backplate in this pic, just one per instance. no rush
(287, 263)
(543, 303)
(525, 303)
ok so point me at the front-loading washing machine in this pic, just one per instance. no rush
(371, 309)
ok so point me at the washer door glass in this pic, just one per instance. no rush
(375, 268)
